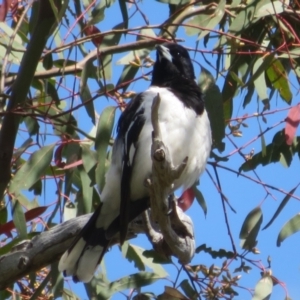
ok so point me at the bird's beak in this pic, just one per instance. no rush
(163, 52)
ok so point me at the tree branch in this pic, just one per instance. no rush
(177, 229)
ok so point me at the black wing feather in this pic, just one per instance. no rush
(129, 128)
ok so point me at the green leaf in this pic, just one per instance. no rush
(106, 60)
(271, 8)
(203, 23)
(41, 287)
(32, 170)
(134, 281)
(19, 219)
(250, 228)
(6, 293)
(3, 214)
(258, 76)
(279, 79)
(32, 125)
(263, 142)
(135, 254)
(57, 281)
(281, 206)
(87, 190)
(85, 93)
(89, 159)
(263, 289)
(156, 257)
(174, 2)
(214, 107)
(124, 12)
(171, 294)
(104, 130)
(188, 290)
(97, 14)
(221, 253)
(200, 199)
(228, 92)
(69, 295)
(292, 226)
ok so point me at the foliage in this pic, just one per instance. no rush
(58, 70)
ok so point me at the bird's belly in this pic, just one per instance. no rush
(184, 134)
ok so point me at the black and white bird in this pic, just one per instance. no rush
(185, 131)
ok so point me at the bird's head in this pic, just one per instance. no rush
(172, 60)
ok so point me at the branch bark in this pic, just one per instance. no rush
(176, 227)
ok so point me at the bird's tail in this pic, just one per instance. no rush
(86, 252)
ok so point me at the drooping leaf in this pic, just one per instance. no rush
(263, 142)
(250, 228)
(103, 135)
(200, 200)
(3, 215)
(186, 199)
(29, 215)
(271, 8)
(57, 281)
(87, 190)
(89, 159)
(122, 4)
(188, 289)
(281, 206)
(221, 253)
(228, 92)
(97, 14)
(69, 295)
(263, 288)
(85, 93)
(135, 254)
(279, 79)
(32, 170)
(19, 219)
(203, 23)
(292, 123)
(290, 227)
(259, 76)
(156, 257)
(91, 30)
(41, 287)
(214, 107)
(136, 280)
(171, 294)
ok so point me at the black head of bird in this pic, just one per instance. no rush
(172, 60)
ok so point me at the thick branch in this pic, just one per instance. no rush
(176, 228)
(39, 252)
(46, 248)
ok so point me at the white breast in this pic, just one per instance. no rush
(183, 132)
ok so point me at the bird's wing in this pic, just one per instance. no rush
(129, 128)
